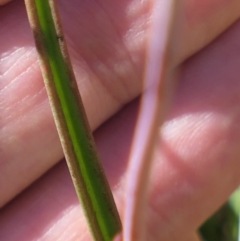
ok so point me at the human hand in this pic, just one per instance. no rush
(107, 46)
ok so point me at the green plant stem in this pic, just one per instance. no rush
(70, 118)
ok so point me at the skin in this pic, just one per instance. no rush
(2, 2)
(196, 166)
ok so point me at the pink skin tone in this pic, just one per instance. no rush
(2, 2)
(195, 168)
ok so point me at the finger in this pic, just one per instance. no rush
(50, 205)
(197, 164)
(108, 63)
(202, 22)
(200, 146)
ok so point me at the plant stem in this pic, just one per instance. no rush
(158, 86)
(87, 174)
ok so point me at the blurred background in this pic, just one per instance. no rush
(224, 224)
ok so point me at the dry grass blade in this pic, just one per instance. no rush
(159, 79)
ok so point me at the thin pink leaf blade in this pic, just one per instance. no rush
(158, 83)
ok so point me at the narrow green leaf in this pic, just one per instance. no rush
(70, 118)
